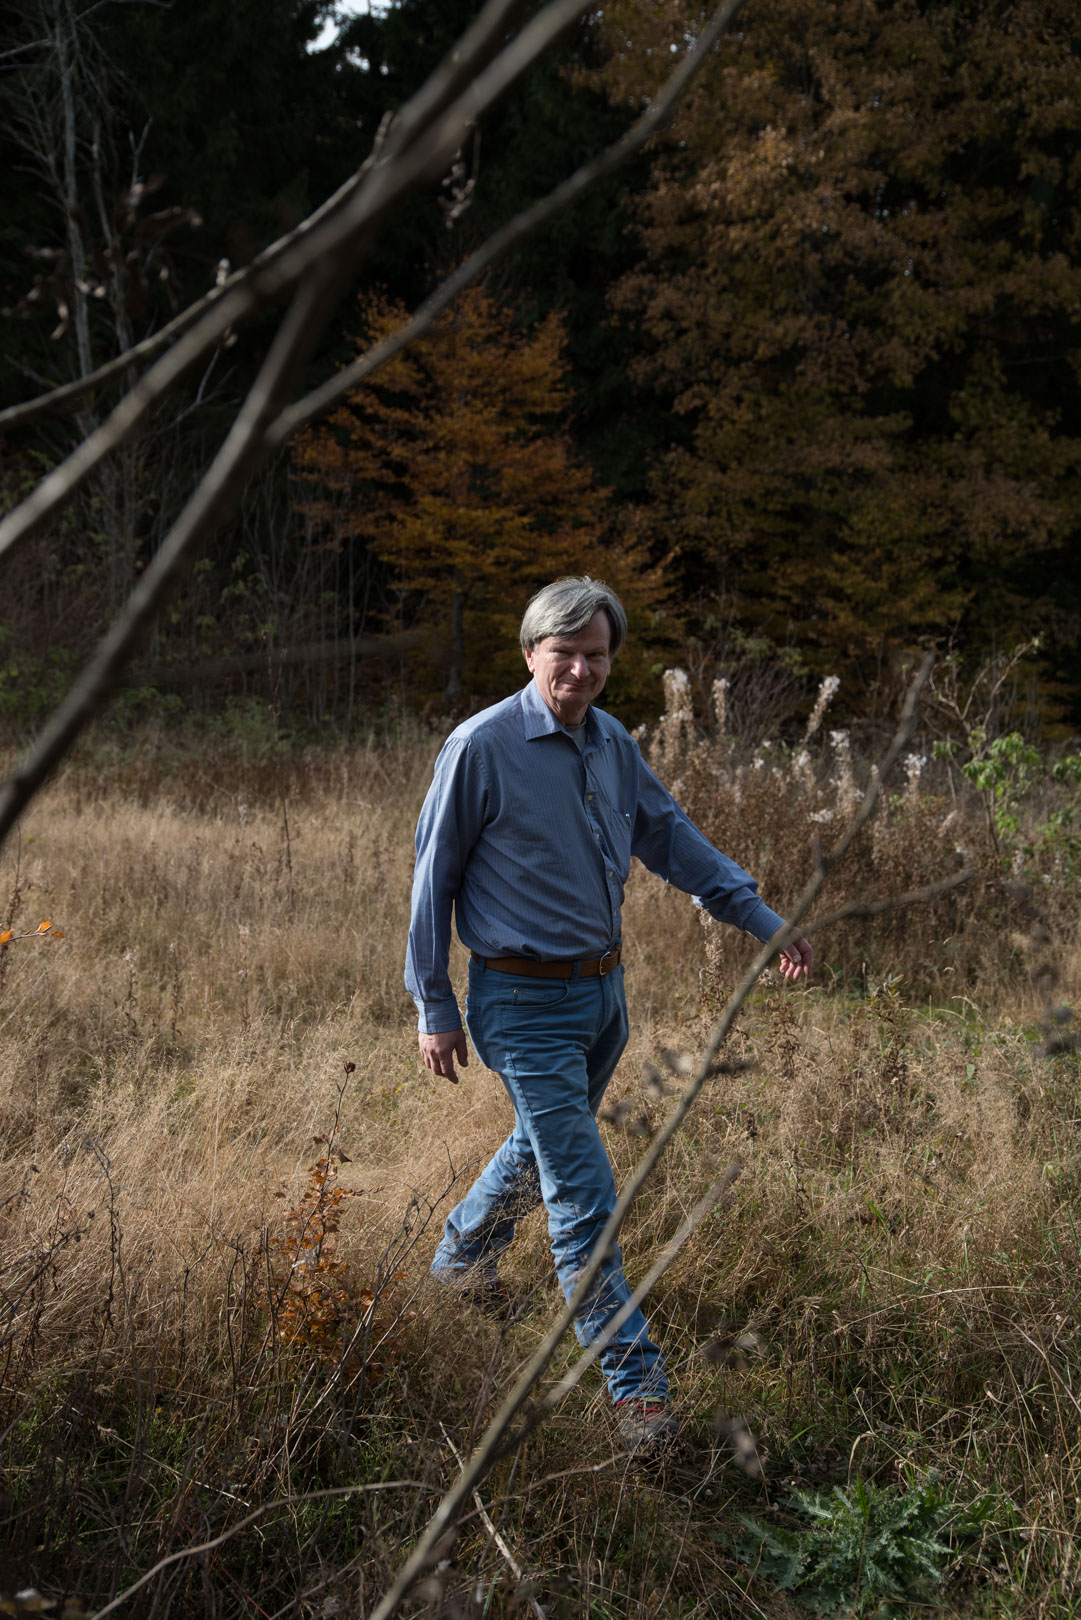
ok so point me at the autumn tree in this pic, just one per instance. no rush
(454, 470)
(861, 293)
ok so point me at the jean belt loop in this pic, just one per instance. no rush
(576, 972)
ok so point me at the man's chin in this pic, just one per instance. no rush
(572, 710)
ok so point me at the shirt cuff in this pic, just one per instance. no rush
(762, 922)
(438, 1017)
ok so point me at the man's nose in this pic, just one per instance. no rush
(580, 667)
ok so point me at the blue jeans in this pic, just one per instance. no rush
(555, 1043)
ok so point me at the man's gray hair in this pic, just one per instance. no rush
(567, 605)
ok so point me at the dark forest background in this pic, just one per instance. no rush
(803, 380)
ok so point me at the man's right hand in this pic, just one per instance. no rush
(439, 1052)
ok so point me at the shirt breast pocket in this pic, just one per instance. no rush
(621, 829)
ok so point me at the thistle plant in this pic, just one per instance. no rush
(868, 1549)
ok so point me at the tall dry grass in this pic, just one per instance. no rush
(893, 1281)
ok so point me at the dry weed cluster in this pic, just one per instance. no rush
(259, 1399)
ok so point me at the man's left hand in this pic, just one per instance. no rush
(797, 957)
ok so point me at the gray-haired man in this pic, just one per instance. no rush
(527, 833)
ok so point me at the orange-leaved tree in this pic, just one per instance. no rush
(861, 294)
(454, 468)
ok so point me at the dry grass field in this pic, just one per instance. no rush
(224, 1366)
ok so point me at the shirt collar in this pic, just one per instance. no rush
(539, 721)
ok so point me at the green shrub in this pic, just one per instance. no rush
(866, 1549)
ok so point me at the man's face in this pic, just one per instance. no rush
(570, 671)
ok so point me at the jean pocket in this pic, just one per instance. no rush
(535, 993)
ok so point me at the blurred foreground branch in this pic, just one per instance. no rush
(892, 902)
(316, 264)
(417, 145)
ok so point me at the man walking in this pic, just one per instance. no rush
(536, 807)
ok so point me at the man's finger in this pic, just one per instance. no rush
(439, 1051)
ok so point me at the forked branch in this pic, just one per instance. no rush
(419, 145)
(320, 258)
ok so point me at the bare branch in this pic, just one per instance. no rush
(705, 1205)
(68, 393)
(337, 242)
(231, 467)
(486, 1519)
(475, 47)
(329, 1493)
(329, 250)
(516, 230)
(892, 902)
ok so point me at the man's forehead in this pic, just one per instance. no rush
(598, 632)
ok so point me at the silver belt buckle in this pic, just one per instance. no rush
(608, 961)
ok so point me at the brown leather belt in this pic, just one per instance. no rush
(530, 968)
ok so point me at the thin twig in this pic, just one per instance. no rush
(325, 259)
(516, 230)
(327, 255)
(485, 1519)
(215, 1542)
(230, 469)
(706, 1204)
(892, 902)
(419, 145)
(480, 40)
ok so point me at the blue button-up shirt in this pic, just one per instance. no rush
(530, 842)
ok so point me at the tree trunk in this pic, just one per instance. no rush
(453, 687)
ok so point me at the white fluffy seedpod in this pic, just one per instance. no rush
(802, 769)
(822, 702)
(848, 793)
(914, 764)
(720, 704)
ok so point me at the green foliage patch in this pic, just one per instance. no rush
(868, 1549)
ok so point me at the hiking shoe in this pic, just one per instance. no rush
(647, 1428)
(492, 1298)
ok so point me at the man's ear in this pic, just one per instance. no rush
(527, 654)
